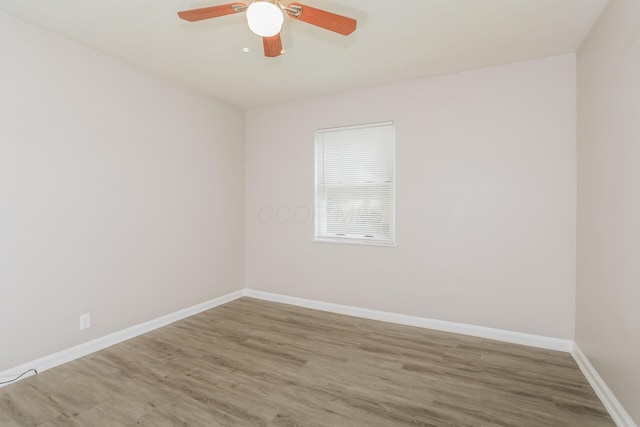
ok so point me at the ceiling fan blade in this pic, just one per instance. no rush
(194, 15)
(321, 18)
(272, 46)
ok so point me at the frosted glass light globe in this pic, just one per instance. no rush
(264, 18)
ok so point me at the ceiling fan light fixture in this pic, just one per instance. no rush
(264, 18)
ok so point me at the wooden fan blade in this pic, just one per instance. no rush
(194, 15)
(272, 46)
(327, 20)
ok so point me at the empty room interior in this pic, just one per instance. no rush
(328, 213)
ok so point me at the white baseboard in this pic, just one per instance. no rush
(422, 322)
(80, 350)
(616, 410)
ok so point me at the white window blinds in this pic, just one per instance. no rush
(355, 183)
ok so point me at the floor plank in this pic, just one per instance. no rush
(257, 363)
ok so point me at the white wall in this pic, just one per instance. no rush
(120, 194)
(486, 199)
(608, 277)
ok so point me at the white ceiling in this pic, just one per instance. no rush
(395, 41)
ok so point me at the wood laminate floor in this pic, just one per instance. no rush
(256, 363)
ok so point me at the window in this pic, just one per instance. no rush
(355, 184)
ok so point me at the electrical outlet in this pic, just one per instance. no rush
(85, 321)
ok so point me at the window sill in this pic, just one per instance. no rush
(354, 242)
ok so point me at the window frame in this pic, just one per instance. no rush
(319, 210)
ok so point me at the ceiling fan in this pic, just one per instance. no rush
(265, 18)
